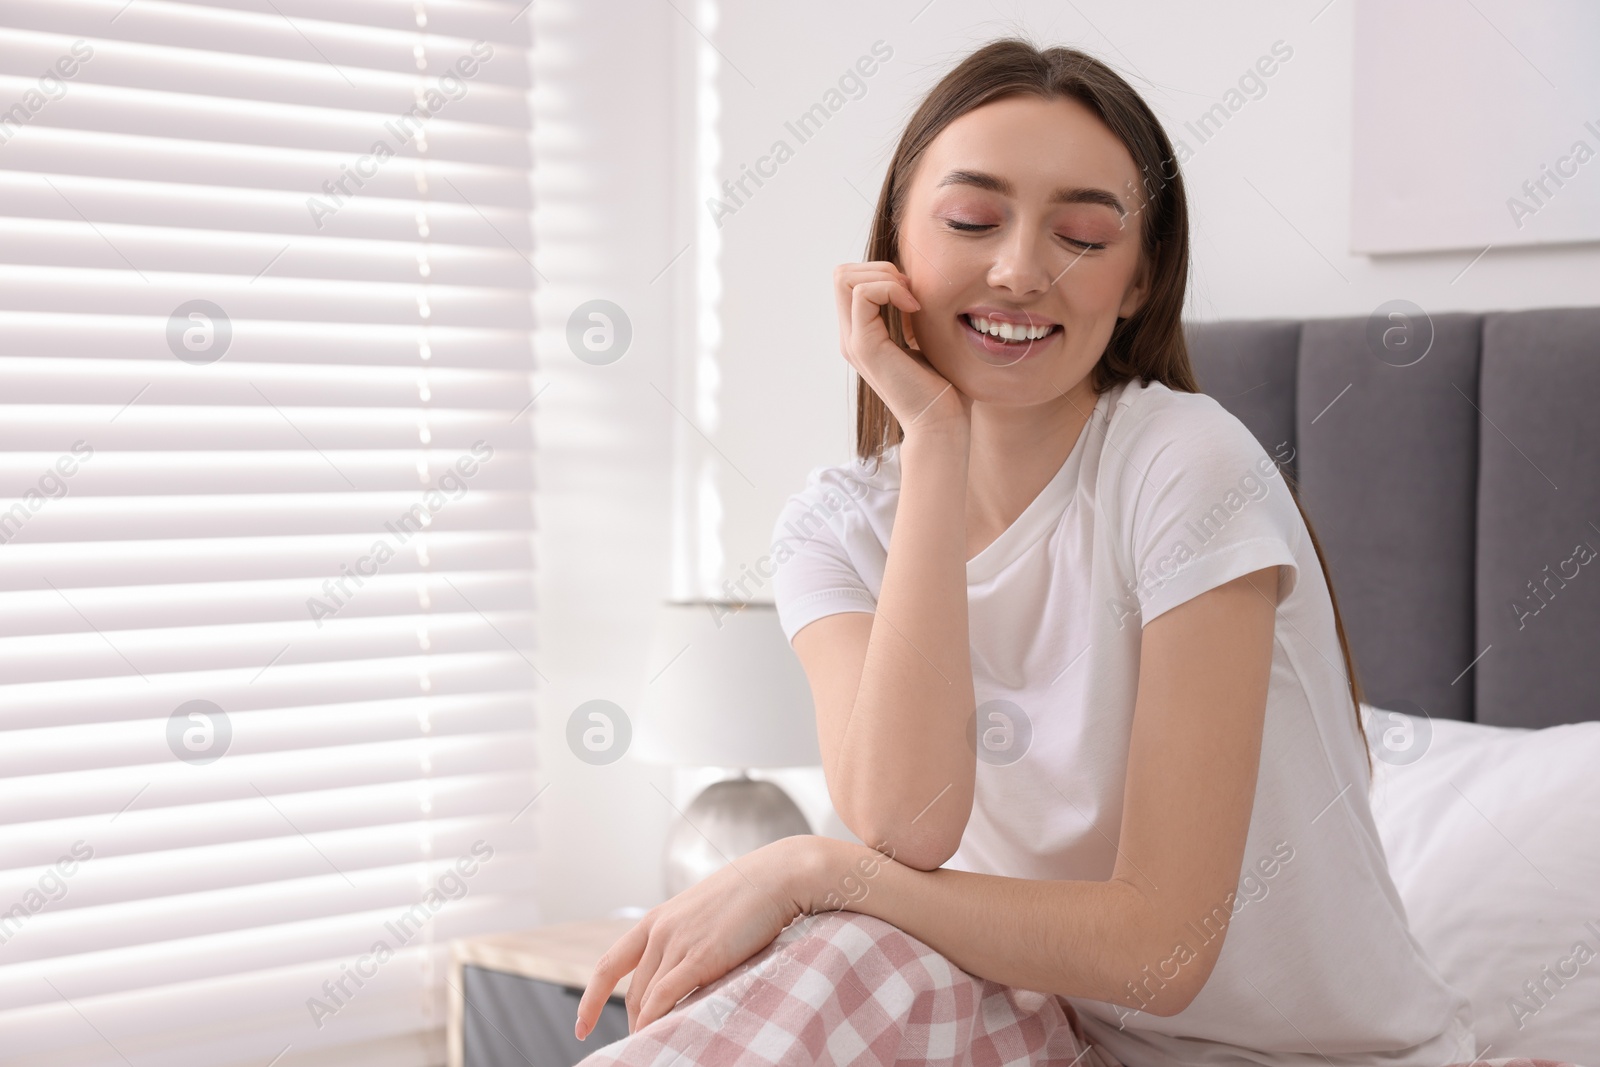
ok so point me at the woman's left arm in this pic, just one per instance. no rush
(1191, 780)
(1192, 764)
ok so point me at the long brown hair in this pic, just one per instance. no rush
(1149, 344)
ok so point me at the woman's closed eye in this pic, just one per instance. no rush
(978, 227)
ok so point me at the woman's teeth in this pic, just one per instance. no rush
(1007, 331)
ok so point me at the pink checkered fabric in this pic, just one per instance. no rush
(842, 988)
(846, 988)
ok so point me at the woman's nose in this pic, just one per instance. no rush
(1020, 265)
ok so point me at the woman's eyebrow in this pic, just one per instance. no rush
(996, 184)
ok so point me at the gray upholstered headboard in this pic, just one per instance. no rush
(1457, 497)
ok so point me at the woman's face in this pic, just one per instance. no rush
(1026, 212)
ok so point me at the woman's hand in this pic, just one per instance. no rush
(918, 397)
(702, 933)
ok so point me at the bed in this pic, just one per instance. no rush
(1451, 467)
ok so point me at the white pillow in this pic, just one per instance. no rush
(1493, 840)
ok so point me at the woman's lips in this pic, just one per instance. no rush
(997, 352)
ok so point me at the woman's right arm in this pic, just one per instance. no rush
(893, 690)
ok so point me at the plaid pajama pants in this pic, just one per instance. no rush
(842, 988)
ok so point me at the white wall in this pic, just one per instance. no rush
(1270, 194)
(1523, 139)
(604, 159)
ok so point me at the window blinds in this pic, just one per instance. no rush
(266, 676)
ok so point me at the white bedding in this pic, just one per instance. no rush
(1493, 839)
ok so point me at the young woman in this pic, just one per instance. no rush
(1078, 669)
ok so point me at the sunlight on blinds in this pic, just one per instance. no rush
(266, 609)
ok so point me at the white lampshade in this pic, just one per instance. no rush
(724, 689)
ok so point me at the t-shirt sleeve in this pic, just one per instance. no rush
(815, 575)
(1209, 506)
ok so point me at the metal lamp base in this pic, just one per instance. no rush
(738, 815)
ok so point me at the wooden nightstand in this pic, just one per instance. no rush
(521, 995)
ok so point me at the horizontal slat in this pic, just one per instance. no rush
(58, 381)
(121, 211)
(136, 474)
(106, 653)
(87, 520)
(267, 424)
(114, 562)
(493, 20)
(243, 174)
(454, 623)
(261, 731)
(117, 518)
(134, 291)
(167, 474)
(42, 614)
(110, 338)
(118, 698)
(301, 781)
(69, 243)
(91, 108)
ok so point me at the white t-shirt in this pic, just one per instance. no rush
(1164, 496)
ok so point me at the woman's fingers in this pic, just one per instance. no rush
(618, 960)
(644, 975)
(850, 276)
(868, 333)
(715, 925)
(849, 271)
(673, 985)
(888, 291)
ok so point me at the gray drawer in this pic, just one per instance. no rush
(512, 1021)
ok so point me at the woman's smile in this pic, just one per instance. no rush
(1001, 338)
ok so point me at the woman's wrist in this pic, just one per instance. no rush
(949, 439)
(807, 859)
(830, 874)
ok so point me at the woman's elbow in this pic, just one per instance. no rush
(924, 841)
(924, 850)
(1161, 970)
(1193, 972)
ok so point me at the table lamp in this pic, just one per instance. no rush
(726, 691)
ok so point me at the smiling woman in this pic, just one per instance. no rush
(1030, 441)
